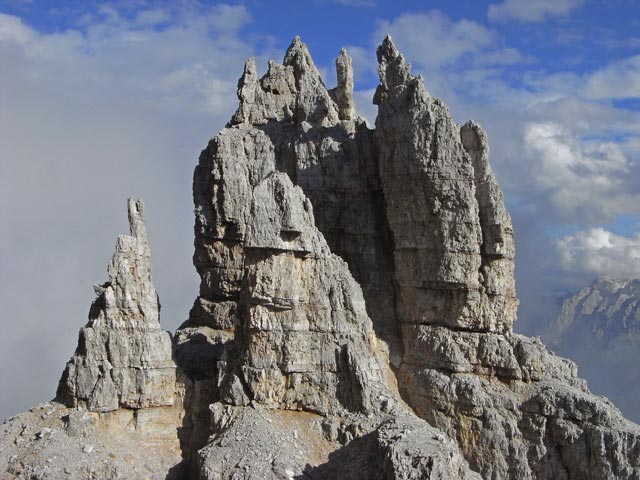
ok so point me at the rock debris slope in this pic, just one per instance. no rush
(355, 312)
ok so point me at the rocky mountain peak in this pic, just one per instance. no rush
(356, 302)
(128, 299)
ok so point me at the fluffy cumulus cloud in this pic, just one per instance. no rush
(117, 105)
(433, 39)
(599, 252)
(618, 80)
(531, 10)
(583, 180)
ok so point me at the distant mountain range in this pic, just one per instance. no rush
(599, 328)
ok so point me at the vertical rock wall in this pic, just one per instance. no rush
(324, 246)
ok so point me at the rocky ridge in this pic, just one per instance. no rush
(599, 328)
(606, 311)
(356, 304)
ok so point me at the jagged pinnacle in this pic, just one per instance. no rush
(250, 67)
(344, 90)
(137, 227)
(387, 51)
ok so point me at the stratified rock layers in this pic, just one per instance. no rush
(516, 410)
(280, 322)
(123, 359)
(354, 318)
(296, 180)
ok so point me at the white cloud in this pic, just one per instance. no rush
(531, 10)
(618, 80)
(585, 181)
(432, 39)
(602, 253)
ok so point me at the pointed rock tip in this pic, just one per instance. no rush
(298, 54)
(135, 210)
(297, 44)
(387, 50)
(471, 124)
(250, 65)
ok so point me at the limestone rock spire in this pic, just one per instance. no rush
(344, 91)
(123, 358)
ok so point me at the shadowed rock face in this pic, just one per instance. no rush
(354, 318)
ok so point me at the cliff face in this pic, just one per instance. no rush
(415, 211)
(280, 323)
(356, 304)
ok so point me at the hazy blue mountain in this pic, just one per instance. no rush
(599, 328)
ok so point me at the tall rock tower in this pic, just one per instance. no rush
(124, 358)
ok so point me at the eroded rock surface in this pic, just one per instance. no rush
(123, 359)
(281, 323)
(355, 312)
(118, 407)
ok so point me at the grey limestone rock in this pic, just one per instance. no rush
(123, 359)
(515, 409)
(415, 211)
(286, 323)
(355, 311)
(453, 240)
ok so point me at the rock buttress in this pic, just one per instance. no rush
(515, 409)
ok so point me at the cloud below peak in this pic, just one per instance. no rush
(599, 252)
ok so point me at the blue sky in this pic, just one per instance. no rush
(104, 100)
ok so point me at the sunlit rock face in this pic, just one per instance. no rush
(281, 325)
(123, 359)
(413, 208)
